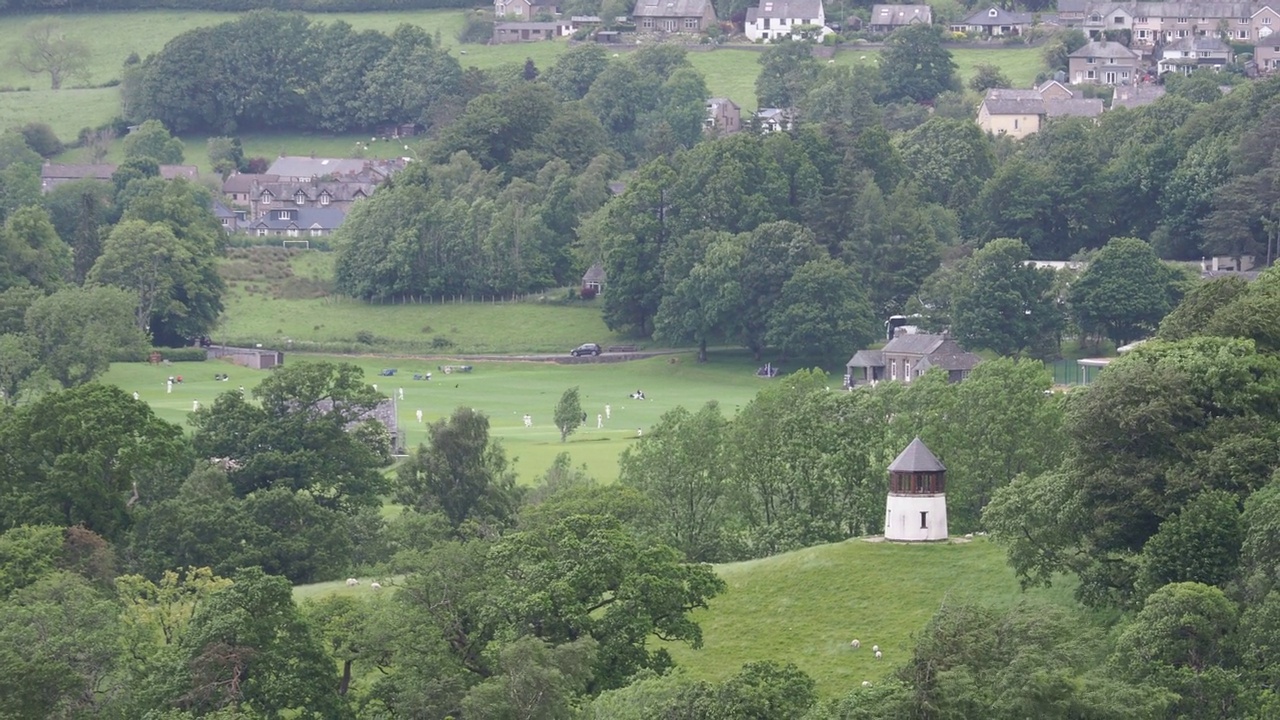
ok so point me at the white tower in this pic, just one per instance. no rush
(917, 507)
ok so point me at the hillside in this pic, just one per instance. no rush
(805, 606)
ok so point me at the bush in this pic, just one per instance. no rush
(366, 337)
(41, 138)
(588, 293)
(477, 29)
(441, 342)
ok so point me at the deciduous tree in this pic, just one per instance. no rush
(46, 48)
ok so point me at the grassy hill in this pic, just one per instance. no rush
(805, 606)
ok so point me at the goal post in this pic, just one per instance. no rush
(304, 244)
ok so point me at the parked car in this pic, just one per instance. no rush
(586, 349)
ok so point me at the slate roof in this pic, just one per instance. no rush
(294, 166)
(670, 8)
(1197, 44)
(384, 412)
(105, 171)
(1132, 96)
(243, 182)
(595, 273)
(1104, 49)
(916, 458)
(1195, 9)
(950, 356)
(1002, 17)
(785, 10)
(1003, 101)
(867, 359)
(899, 15)
(1072, 6)
(1073, 107)
(532, 25)
(323, 218)
(222, 211)
(913, 344)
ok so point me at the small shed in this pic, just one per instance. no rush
(593, 279)
(255, 358)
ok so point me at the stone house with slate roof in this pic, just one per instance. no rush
(996, 22)
(1135, 96)
(1019, 113)
(887, 18)
(1104, 63)
(384, 412)
(1192, 53)
(54, 174)
(673, 16)
(525, 10)
(907, 356)
(594, 278)
(297, 222)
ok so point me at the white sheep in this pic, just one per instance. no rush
(866, 683)
(352, 582)
(879, 655)
(968, 536)
(855, 644)
(875, 648)
(375, 585)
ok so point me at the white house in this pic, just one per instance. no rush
(774, 19)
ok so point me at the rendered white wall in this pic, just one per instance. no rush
(902, 518)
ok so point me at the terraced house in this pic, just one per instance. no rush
(1153, 24)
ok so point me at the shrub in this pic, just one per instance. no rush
(41, 138)
(365, 337)
(588, 293)
(441, 342)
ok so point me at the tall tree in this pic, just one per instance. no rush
(142, 258)
(1003, 304)
(915, 66)
(788, 70)
(460, 472)
(151, 139)
(821, 312)
(568, 413)
(1124, 293)
(77, 332)
(46, 48)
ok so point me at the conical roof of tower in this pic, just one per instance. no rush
(916, 458)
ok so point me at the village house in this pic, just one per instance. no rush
(593, 279)
(298, 223)
(773, 19)
(52, 174)
(673, 16)
(995, 22)
(302, 168)
(1104, 63)
(887, 18)
(257, 195)
(723, 116)
(771, 120)
(1152, 24)
(908, 356)
(1135, 96)
(1019, 113)
(512, 32)
(1192, 53)
(525, 10)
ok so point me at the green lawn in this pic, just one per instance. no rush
(806, 606)
(505, 391)
(1021, 64)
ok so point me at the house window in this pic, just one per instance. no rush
(924, 520)
(1182, 21)
(266, 198)
(766, 23)
(292, 232)
(1118, 20)
(691, 23)
(1091, 60)
(893, 369)
(262, 232)
(1182, 33)
(1142, 34)
(1089, 75)
(316, 232)
(993, 12)
(1092, 18)
(1015, 123)
(1266, 21)
(1243, 34)
(648, 22)
(324, 199)
(1124, 75)
(1140, 19)
(1244, 21)
(299, 198)
(224, 221)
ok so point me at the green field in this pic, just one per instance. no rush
(505, 391)
(805, 606)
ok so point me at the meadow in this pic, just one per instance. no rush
(505, 391)
(112, 37)
(804, 607)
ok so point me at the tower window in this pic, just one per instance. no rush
(924, 520)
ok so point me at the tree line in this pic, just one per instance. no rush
(91, 6)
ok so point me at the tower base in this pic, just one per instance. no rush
(915, 518)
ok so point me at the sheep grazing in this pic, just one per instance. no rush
(879, 655)
(352, 582)
(375, 585)
(866, 683)
(855, 644)
(875, 648)
(968, 536)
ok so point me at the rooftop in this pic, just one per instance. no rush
(916, 458)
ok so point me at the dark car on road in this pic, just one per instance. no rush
(586, 349)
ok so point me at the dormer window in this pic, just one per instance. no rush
(1092, 18)
(300, 198)
(993, 12)
(324, 198)
(266, 197)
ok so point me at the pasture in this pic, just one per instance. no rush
(113, 36)
(806, 606)
(505, 391)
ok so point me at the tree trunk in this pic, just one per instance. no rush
(702, 350)
(345, 683)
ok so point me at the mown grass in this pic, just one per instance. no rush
(1020, 64)
(504, 391)
(806, 606)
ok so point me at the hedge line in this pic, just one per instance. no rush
(13, 7)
